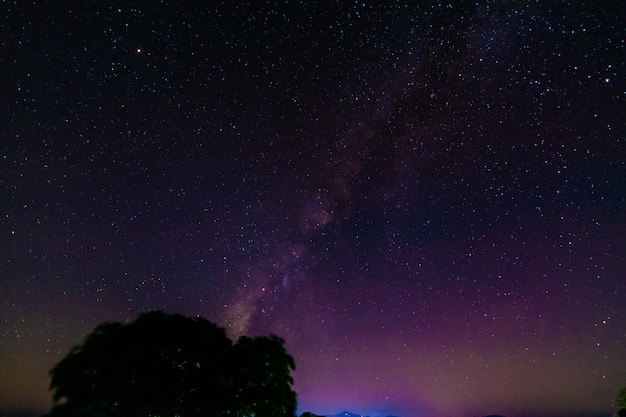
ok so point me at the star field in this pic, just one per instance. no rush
(425, 200)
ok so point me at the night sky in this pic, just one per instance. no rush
(424, 199)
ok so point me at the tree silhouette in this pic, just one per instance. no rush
(169, 365)
(264, 364)
(620, 402)
(620, 399)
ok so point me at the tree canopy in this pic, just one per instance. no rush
(168, 365)
(620, 402)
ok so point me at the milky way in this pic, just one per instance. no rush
(426, 201)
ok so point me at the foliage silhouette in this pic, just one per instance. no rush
(620, 399)
(620, 403)
(168, 365)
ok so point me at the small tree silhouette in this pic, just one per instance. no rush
(169, 365)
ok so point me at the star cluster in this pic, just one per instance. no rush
(424, 199)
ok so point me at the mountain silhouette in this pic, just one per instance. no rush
(349, 414)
